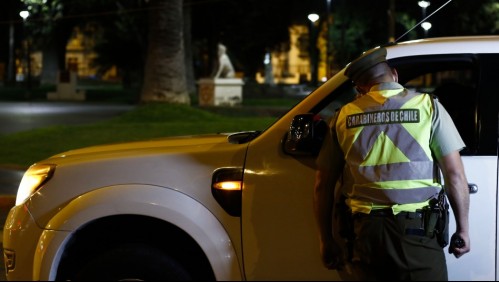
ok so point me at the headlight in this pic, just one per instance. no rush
(32, 180)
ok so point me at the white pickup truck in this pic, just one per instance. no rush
(239, 206)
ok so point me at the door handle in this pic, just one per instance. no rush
(473, 188)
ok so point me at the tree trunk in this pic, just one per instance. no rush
(189, 64)
(54, 52)
(50, 64)
(165, 71)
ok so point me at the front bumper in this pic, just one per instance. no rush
(25, 245)
(20, 237)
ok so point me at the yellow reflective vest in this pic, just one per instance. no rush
(385, 137)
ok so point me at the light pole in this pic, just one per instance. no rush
(425, 25)
(11, 62)
(313, 49)
(329, 48)
(25, 14)
(391, 21)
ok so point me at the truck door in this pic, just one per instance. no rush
(466, 87)
(279, 231)
(480, 161)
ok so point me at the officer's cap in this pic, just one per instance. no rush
(366, 61)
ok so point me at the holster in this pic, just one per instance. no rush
(436, 219)
(443, 220)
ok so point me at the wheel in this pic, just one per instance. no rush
(133, 262)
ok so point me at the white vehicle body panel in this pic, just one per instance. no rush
(480, 262)
(445, 45)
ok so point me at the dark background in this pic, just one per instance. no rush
(248, 28)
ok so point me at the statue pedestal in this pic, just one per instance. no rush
(220, 91)
(66, 88)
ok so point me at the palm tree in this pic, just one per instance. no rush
(165, 71)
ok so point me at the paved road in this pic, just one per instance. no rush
(22, 116)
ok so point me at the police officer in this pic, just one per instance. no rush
(380, 152)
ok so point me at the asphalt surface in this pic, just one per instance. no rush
(23, 116)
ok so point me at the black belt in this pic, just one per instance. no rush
(389, 212)
(409, 215)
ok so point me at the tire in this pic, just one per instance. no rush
(132, 262)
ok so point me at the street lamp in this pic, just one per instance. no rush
(24, 15)
(313, 49)
(313, 17)
(424, 5)
(425, 25)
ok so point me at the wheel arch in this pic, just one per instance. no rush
(89, 241)
(158, 215)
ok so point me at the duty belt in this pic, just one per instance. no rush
(389, 212)
(418, 214)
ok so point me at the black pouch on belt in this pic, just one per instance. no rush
(436, 219)
(431, 215)
(442, 227)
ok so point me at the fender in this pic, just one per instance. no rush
(159, 202)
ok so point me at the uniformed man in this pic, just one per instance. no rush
(380, 151)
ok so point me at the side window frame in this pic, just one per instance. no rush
(454, 79)
(488, 101)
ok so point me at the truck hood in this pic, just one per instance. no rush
(184, 164)
(163, 143)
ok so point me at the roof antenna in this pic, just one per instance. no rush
(422, 21)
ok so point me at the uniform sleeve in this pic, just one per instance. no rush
(445, 138)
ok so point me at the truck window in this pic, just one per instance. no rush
(456, 90)
(454, 80)
(341, 96)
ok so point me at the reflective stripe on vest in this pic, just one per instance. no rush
(401, 174)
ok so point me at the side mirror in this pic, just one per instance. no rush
(305, 135)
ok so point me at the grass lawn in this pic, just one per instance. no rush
(147, 121)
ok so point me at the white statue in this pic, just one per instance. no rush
(225, 68)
